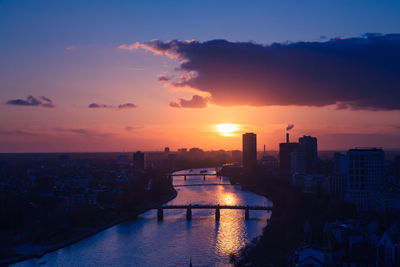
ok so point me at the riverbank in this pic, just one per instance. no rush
(285, 230)
(28, 251)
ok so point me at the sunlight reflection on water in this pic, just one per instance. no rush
(172, 242)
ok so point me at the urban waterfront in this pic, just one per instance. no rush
(205, 241)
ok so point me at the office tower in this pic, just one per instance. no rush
(364, 175)
(138, 161)
(304, 160)
(298, 162)
(338, 178)
(249, 156)
(285, 150)
(339, 163)
(397, 168)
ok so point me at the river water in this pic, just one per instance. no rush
(173, 241)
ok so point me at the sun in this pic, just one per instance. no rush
(227, 129)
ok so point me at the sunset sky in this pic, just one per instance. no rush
(141, 75)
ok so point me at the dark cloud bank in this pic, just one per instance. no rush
(40, 101)
(353, 73)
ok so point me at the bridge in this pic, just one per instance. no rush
(185, 175)
(160, 210)
(210, 184)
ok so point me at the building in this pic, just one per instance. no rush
(397, 168)
(339, 163)
(304, 159)
(338, 185)
(138, 161)
(387, 201)
(310, 255)
(308, 146)
(311, 183)
(388, 248)
(364, 176)
(298, 162)
(338, 179)
(269, 162)
(249, 156)
(122, 160)
(285, 151)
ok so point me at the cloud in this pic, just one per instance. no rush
(95, 105)
(121, 106)
(352, 73)
(195, 102)
(133, 128)
(71, 47)
(163, 78)
(82, 131)
(32, 101)
(17, 133)
(127, 106)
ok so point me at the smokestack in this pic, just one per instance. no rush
(264, 149)
(287, 137)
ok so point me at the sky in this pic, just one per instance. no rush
(80, 76)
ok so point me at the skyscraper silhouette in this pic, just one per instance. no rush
(249, 157)
(285, 150)
(138, 161)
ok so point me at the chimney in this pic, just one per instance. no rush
(287, 137)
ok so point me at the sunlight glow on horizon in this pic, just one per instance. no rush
(227, 129)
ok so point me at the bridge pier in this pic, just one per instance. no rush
(160, 214)
(204, 177)
(189, 213)
(247, 213)
(184, 177)
(217, 213)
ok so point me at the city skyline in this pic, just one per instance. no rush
(78, 77)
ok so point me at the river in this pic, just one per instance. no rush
(173, 241)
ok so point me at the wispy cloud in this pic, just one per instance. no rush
(82, 131)
(71, 48)
(121, 106)
(163, 78)
(40, 101)
(195, 102)
(17, 133)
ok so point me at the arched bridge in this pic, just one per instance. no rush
(160, 210)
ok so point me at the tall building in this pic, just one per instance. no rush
(365, 174)
(397, 168)
(138, 161)
(304, 160)
(338, 178)
(308, 146)
(249, 156)
(339, 163)
(285, 150)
